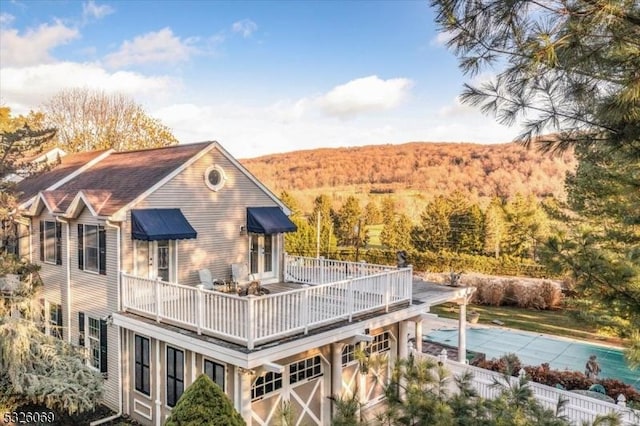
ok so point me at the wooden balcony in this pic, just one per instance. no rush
(328, 291)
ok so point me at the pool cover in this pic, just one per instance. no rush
(535, 349)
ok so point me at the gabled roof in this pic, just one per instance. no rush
(114, 182)
(69, 165)
(121, 177)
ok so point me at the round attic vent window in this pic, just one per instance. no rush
(215, 177)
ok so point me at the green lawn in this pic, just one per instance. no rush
(557, 322)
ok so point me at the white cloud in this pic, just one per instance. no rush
(6, 19)
(246, 27)
(91, 10)
(34, 45)
(364, 95)
(441, 39)
(154, 47)
(24, 88)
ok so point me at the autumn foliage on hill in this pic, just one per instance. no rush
(436, 168)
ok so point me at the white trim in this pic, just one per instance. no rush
(271, 353)
(135, 410)
(223, 177)
(71, 210)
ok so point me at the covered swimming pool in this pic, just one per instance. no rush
(535, 349)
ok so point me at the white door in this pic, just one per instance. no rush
(263, 253)
(156, 259)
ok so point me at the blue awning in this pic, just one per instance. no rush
(268, 220)
(160, 224)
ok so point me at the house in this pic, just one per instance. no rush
(121, 238)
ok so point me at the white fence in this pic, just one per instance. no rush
(312, 270)
(577, 408)
(255, 320)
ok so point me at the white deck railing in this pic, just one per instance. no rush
(255, 320)
(577, 408)
(312, 270)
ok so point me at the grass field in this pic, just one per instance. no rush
(558, 322)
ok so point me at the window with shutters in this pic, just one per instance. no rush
(50, 242)
(55, 320)
(94, 343)
(142, 365)
(92, 248)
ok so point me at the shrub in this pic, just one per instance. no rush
(570, 380)
(202, 404)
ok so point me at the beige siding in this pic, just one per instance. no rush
(54, 277)
(216, 216)
(96, 295)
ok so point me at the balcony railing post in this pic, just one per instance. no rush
(305, 310)
(199, 307)
(350, 299)
(251, 318)
(322, 269)
(157, 291)
(387, 291)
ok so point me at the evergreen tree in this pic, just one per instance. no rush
(350, 224)
(324, 215)
(433, 231)
(372, 214)
(397, 234)
(495, 227)
(569, 73)
(204, 404)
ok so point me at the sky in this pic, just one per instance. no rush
(259, 77)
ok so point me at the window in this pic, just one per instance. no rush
(142, 373)
(175, 375)
(266, 384)
(215, 177)
(163, 260)
(215, 372)
(55, 320)
(348, 354)
(92, 248)
(381, 342)
(51, 242)
(305, 369)
(94, 343)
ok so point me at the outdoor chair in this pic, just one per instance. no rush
(207, 281)
(245, 283)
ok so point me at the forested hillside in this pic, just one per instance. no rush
(483, 171)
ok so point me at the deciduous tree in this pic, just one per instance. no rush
(90, 120)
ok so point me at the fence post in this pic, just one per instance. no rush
(322, 270)
(251, 317)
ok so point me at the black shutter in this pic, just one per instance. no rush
(81, 328)
(103, 346)
(42, 241)
(102, 250)
(59, 322)
(58, 243)
(80, 246)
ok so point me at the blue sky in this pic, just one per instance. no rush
(259, 77)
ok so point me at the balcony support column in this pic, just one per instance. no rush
(245, 381)
(336, 372)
